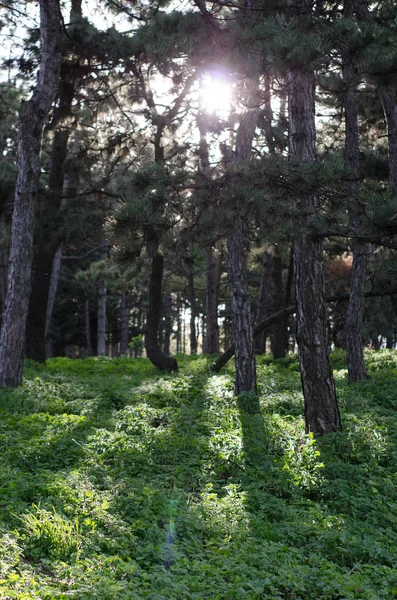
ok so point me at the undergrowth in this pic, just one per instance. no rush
(119, 482)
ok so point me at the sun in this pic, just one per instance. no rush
(215, 94)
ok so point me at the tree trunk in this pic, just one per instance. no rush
(239, 292)
(355, 310)
(263, 299)
(56, 269)
(321, 408)
(167, 310)
(124, 323)
(3, 262)
(33, 115)
(101, 315)
(191, 293)
(88, 343)
(388, 99)
(213, 273)
(153, 350)
(241, 311)
(278, 342)
(288, 298)
(48, 235)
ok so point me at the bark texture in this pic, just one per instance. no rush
(213, 273)
(355, 310)
(321, 408)
(263, 299)
(153, 350)
(33, 115)
(56, 269)
(239, 291)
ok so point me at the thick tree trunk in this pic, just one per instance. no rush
(48, 235)
(263, 299)
(56, 269)
(355, 310)
(241, 311)
(239, 292)
(213, 273)
(124, 323)
(321, 408)
(33, 115)
(153, 350)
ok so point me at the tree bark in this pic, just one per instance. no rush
(355, 310)
(240, 295)
(101, 311)
(153, 350)
(167, 311)
(124, 323)
(321, 407)
(33, 115)
(263, 299)
(56, 269)
(213, 273)
(278, 342)
(48, 235)
(3, 262)
(191, 292)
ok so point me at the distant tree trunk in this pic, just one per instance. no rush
(213, 273)
(288, 298)
(167, 310)
(33, 115)
(355, 310)
(321, 408)
(278, 341)
(154, 352)
(388, 99)
(263, 300)
(191, 293)
(101, 323)
(87, 328)
(56, 269)
(124, 323)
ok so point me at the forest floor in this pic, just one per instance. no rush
(118, 482)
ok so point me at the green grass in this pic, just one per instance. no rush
(118, 482)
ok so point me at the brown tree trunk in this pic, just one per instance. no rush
(191, 293)
(321, 408)
(3, 262)
(263, 299)
(213, 273)
(241, 311)
(239, 292)
(56, 269)
(355, 310)
(278, 341)
(153, 350)
(48, 235)
(33, 115)
(167, 311)
(124, 323)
